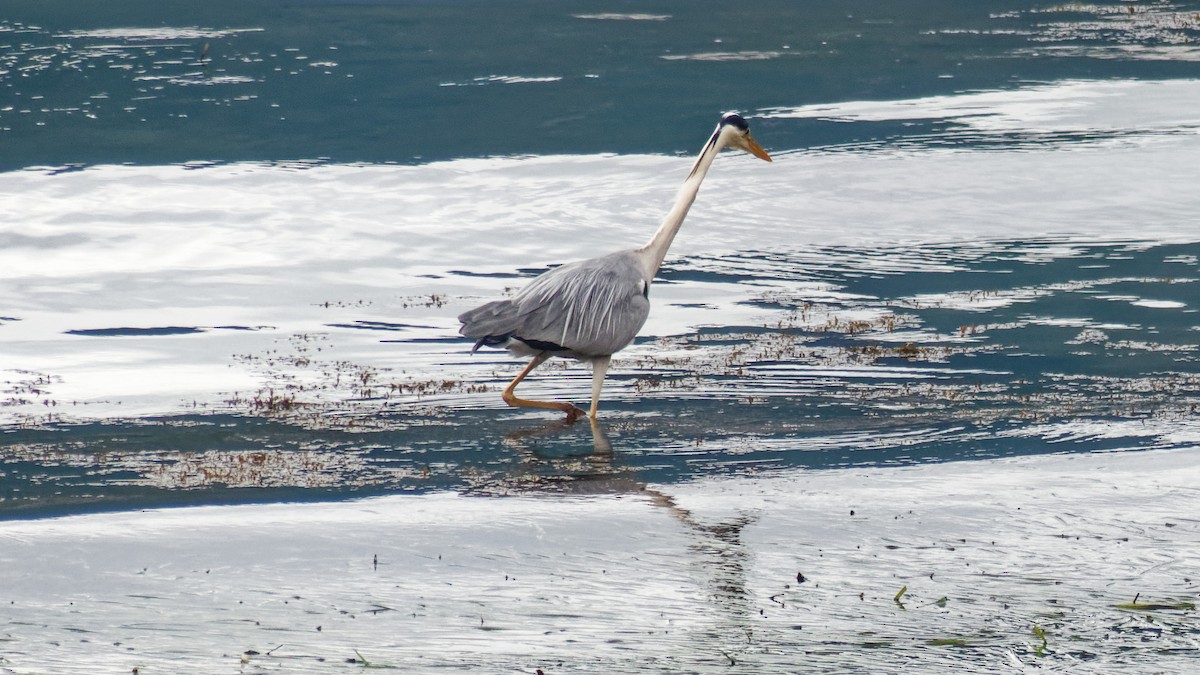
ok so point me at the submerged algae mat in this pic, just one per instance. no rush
(1071, 563)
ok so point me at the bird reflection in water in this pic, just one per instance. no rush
(591, 473)
(716, 555)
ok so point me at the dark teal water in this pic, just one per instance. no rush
(168, 82)
(978, 239)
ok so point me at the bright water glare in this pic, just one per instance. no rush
(947, 341)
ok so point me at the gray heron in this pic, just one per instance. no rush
(590, 309)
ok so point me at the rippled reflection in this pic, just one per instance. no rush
(717, 554)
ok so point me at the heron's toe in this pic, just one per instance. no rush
(574, 412)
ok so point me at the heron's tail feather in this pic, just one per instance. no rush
(491, 324)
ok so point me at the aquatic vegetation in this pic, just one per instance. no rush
(1136, 606)
(1041, 635)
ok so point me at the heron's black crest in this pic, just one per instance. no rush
(729, 119)
(735, 120)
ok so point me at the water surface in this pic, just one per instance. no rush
(234, 238)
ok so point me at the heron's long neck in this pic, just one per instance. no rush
(656, 249)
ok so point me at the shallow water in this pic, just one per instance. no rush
(231, 256)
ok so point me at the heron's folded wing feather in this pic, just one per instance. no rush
(593, 307)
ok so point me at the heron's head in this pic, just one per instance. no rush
(735, 133)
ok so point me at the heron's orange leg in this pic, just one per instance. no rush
(573, 413)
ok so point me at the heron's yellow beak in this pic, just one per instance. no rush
(754, 148)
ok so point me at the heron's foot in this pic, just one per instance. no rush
(574, 412)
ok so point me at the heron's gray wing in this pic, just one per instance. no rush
(593, 307)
